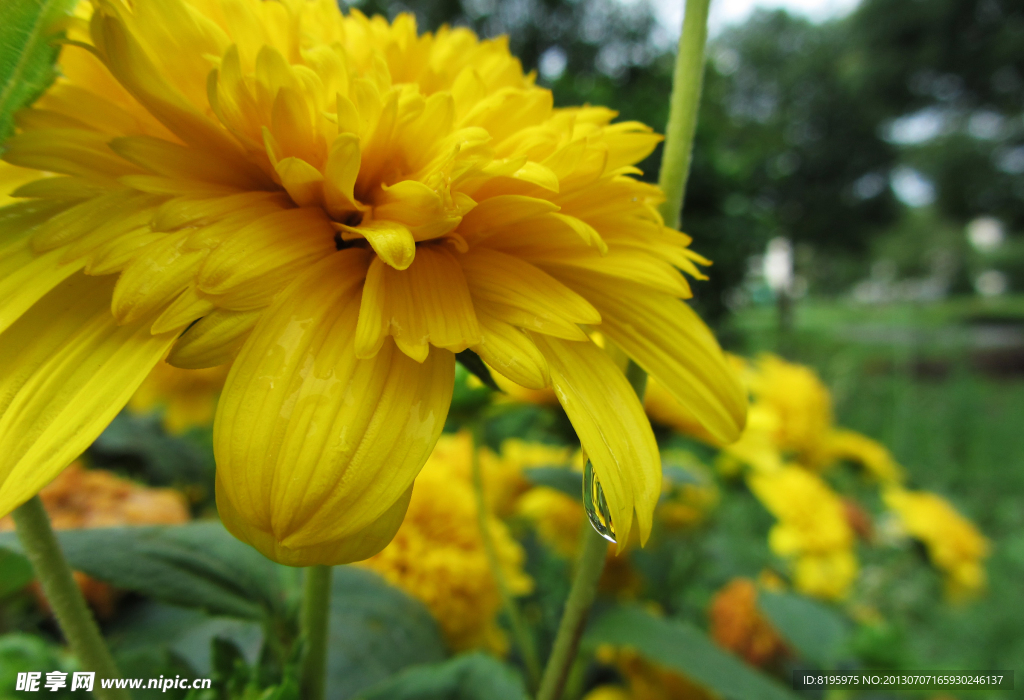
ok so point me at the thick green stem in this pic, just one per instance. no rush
(574, 617)
(316, 605)
(683, 110)
(520, 632)
(65, 597)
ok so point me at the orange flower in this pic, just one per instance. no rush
(738, 625)
(86, 498)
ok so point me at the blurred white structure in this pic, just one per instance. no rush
(991, 283)
(777, 265)
(985, 234)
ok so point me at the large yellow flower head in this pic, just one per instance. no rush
(339, 205)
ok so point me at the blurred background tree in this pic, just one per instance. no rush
(877, 136)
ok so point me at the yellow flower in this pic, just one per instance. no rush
(871, 454)
(337, 205)
(955, 546)
(188, 396)
(438, 557)
(739, 626)
(801, 402)
(812, 529)
(557, 516)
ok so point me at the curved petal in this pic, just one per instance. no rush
(313, 445)
(612, 428)
(427, 304)
(68, 368)
(343, 550)
(669, 340)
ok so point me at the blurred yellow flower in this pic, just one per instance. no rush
(871, 454)
(812, 530)
(955, 546)
(87, 498)
(802, 403)
(336, 204)
(558, 517)
(608, 692)
(502, 473)
(438, 556)
(188, 397)
(739, 626)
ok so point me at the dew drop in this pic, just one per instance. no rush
(596, 504)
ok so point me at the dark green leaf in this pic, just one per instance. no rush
(15, 572)
(564, 480)
(198, 565)
(376, 630)
(814, 630)
(470, 677)
(27, 53)
(683, 648)
(471, 361)
(139, 445)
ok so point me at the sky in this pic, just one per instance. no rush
(726, 12)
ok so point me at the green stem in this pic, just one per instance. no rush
(65, 597)
(520, 632)
(316, 605)
(574, 617)
(683, 110)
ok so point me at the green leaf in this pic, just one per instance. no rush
(565, 480)
(813, 629)
(375, 631)
(681, 647)
(27, 53)
(474, 676)
(15, 573)
(198, 565)
(472, 362)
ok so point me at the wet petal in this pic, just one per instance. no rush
(314, 445)
(612, 428)
(68, 370)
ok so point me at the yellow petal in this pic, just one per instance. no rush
(68, 370)
(25, 277)
(509, 351)
(392, 241)
(426, 304)
(525, 296)
(214, 339)
(313, 445)
(631, 265)
(612, 428)
(181, 162)
(356, 546)
(502, 210)
(155, 278)
(186, 308)
(669, 340)
(248, 268)
(303, 182)
(340, 176)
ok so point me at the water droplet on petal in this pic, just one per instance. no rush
(595, 503)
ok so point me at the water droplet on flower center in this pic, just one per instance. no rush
(595, 503)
